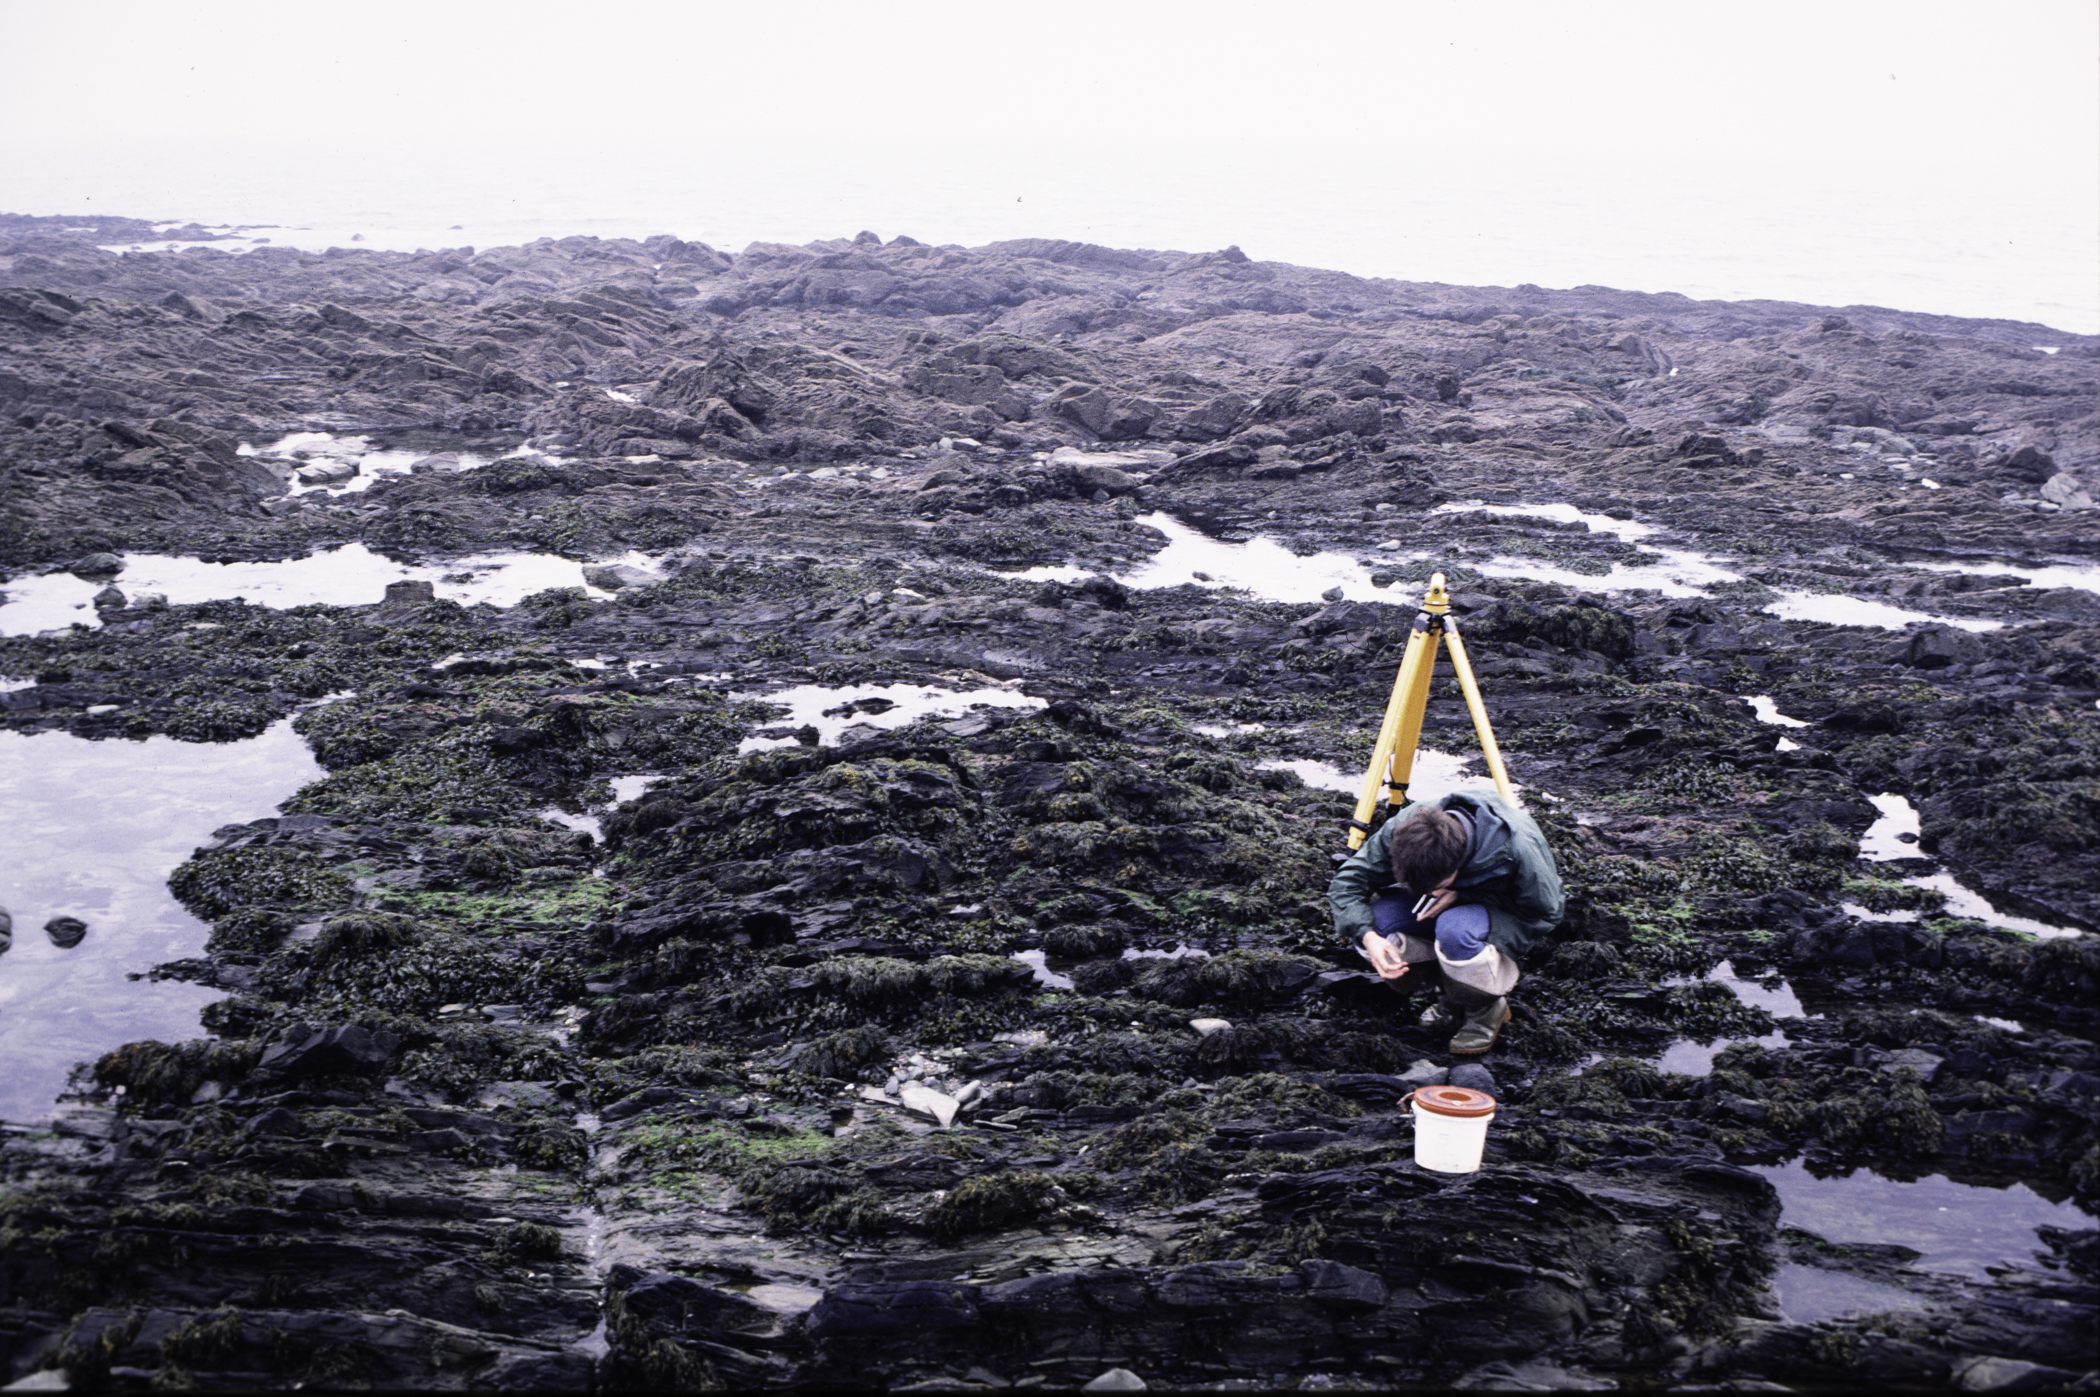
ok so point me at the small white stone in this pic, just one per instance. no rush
(1116, 1380)
(928, 1102)
(1206, 1027)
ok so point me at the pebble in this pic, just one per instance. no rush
(1473, 1077)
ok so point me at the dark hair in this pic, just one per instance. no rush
(1427, 849)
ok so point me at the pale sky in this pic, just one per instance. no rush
(1961, 133)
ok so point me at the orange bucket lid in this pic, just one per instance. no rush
(1454, 1101)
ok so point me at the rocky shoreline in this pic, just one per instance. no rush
(862, 1054)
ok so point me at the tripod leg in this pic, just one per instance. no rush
(1418, 641)
(1464, 669)
(1413, 706)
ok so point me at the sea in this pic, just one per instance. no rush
(1959, 246)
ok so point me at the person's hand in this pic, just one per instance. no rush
(1385, 957)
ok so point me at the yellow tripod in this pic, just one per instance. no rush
(1393, 761)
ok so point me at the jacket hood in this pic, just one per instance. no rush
(1488, 853)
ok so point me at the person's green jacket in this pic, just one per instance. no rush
(1508, 869)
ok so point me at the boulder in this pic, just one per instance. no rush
(97, 565)
(2063, 489)
(412, 593)
(675, 1304)
(884, 1308)
(110, 599)
(1938, 646)
(611, 577)
(305, 1051)
(326, 471)
(1473, 1077)
(1338, 1287)
(2029, 464)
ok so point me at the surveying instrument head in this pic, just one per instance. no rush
(1393, 759)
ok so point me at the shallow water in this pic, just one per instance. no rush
(1434, 775)
(1693, 1059)
(1261, 566)
(807, 704)
(1038, 965)
(1631, 530)
(1767, 710)
(351, 575)
(1810, 1294)
(301, 449)
(1884, 840)
(94, 829)
(1780, 1002)
(2083, 576)
(1956, 1227)
(1270, 571)
(1853, 611)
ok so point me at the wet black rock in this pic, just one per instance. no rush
(303, 1051)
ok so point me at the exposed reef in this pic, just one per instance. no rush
(865, 1054)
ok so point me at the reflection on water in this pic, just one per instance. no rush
(343, 465)
(832, 710)
(2085, 577)
(1810, 1294)
(1038, 965)
(1434, 775)
(1955, 1227)
(1693, 1059)
(1894, 835)
(351, 575)
(1853, 611)
(1272, 572)
(1261, 566)
(93, 830)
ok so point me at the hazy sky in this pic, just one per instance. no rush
(1962, 133)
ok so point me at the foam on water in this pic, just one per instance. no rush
(94, 830)
(1956, 1227)
(807, 705)
(351, 575)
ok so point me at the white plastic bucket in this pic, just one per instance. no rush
(1451, 1128)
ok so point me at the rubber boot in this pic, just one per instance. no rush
(1441, 1016)
(1483, 1016)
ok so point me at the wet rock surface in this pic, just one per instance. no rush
(594, 1020)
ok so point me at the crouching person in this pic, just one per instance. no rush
(1468, 883)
